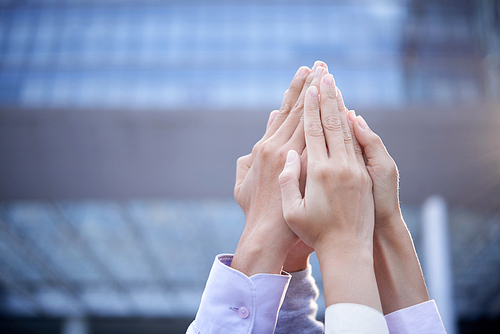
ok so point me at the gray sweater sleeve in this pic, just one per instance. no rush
(299, 309)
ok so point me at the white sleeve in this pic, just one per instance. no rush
(347, 318)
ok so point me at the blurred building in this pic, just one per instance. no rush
(121, 122)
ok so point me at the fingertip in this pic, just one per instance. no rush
(360, 128)
(328, 80)
(302, 72)
(313, 92)
(320, 63)
(320, 71)
(362, 122)
(351, 116)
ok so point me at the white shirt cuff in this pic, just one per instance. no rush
(354, 318)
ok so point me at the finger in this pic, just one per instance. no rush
(272, 116)
(346, 130)
(289, 99)
(297, 141)
(333, 121)
(315, 138)
(299, 105)
(374, 148)
(351, 118)
(289, 183)
(243, 164)
(291, 124)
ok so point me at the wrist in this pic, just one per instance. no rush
(345, 252)
(295, 264)
(393, 230)
(349, 276)
(392, 219)
(261, 251)
(399, 276)
(344, 245)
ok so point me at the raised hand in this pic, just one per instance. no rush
(397, 268)
(336, 214)
(267, 239)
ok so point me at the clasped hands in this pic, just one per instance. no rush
(320, 179)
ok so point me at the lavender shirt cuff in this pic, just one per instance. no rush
(235, 303)
(417, 319)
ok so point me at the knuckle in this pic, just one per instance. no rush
(332, 123)
(345, 173)
(347, 134)
(314, 129)
(329, 94)
(299, 105)
(280, 154)
(285, 107)
(241, 160)
(266, 149)
(376, 140)
(324, 173)
(256, 148)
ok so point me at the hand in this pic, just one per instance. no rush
(338, 199)
(383, 172)
(336, 214)
(267, 239)
(399, 275)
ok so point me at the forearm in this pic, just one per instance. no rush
(348, 275)
(399, 275)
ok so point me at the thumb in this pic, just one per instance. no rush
(289, 184)
(372, 144)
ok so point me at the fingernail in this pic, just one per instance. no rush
(320, 63)
(328, 79)
(290, 158)
(302, 72)
(362, 122)
(351, 116)
(313, 92)
(319, 72)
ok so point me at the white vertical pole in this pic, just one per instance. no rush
(437, 259)
(75, 325)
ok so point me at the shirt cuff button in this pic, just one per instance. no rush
(243, 312)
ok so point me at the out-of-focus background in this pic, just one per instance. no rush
(121, 122)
